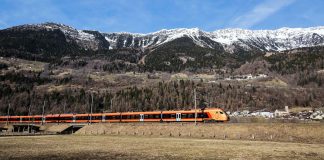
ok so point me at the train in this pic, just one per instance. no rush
(205, 115)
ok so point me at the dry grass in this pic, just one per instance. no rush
(57, 88)
(129, 147)
(56, 128)
(283, 132)
(178, 76)
(23, 65)
(276, 82)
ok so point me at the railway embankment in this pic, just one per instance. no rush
(281, 132)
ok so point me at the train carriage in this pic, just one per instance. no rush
(82, 118)
(207, 115)
(113, 117)
(54, 118)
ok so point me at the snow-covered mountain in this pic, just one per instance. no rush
(271, 40)
(229, 39)
(265, 40)
(120, 40)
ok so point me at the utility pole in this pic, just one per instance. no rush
(8, 114)
(111, 104)
(43, 118)
(64, 107)
(195, 98)
(91, 108)
(104, 105)
(28, 128)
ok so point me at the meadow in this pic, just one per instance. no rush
(132, 147)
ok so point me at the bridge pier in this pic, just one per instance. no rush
(23, 128)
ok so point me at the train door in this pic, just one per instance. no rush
(103, 118)
(73, 118)
(43, 120)
(142, 117)
(178, 117)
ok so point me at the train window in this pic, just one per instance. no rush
(68, 118)
(146, 116)
(97, 117)
(166, 115)
(202, 115)
(127, 117)
(154, 116)
(124, 116)
(82, 118)
(137, 116)
(52, 118)
(173, 115)
(26, 119)
(13, 119)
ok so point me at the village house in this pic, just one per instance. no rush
(280, 113)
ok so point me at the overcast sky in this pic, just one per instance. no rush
(143, 16)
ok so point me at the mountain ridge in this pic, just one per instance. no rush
(166, 50)
(264, 40)
(274, 40)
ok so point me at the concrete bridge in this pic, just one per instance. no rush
(50, 128)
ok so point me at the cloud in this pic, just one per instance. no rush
(259, 13)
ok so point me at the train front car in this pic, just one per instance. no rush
(217, 115)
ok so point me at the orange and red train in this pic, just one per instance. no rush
(206, 115)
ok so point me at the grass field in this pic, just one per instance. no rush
(130, 147)
(281, 132)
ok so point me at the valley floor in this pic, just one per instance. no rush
(130, 147)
